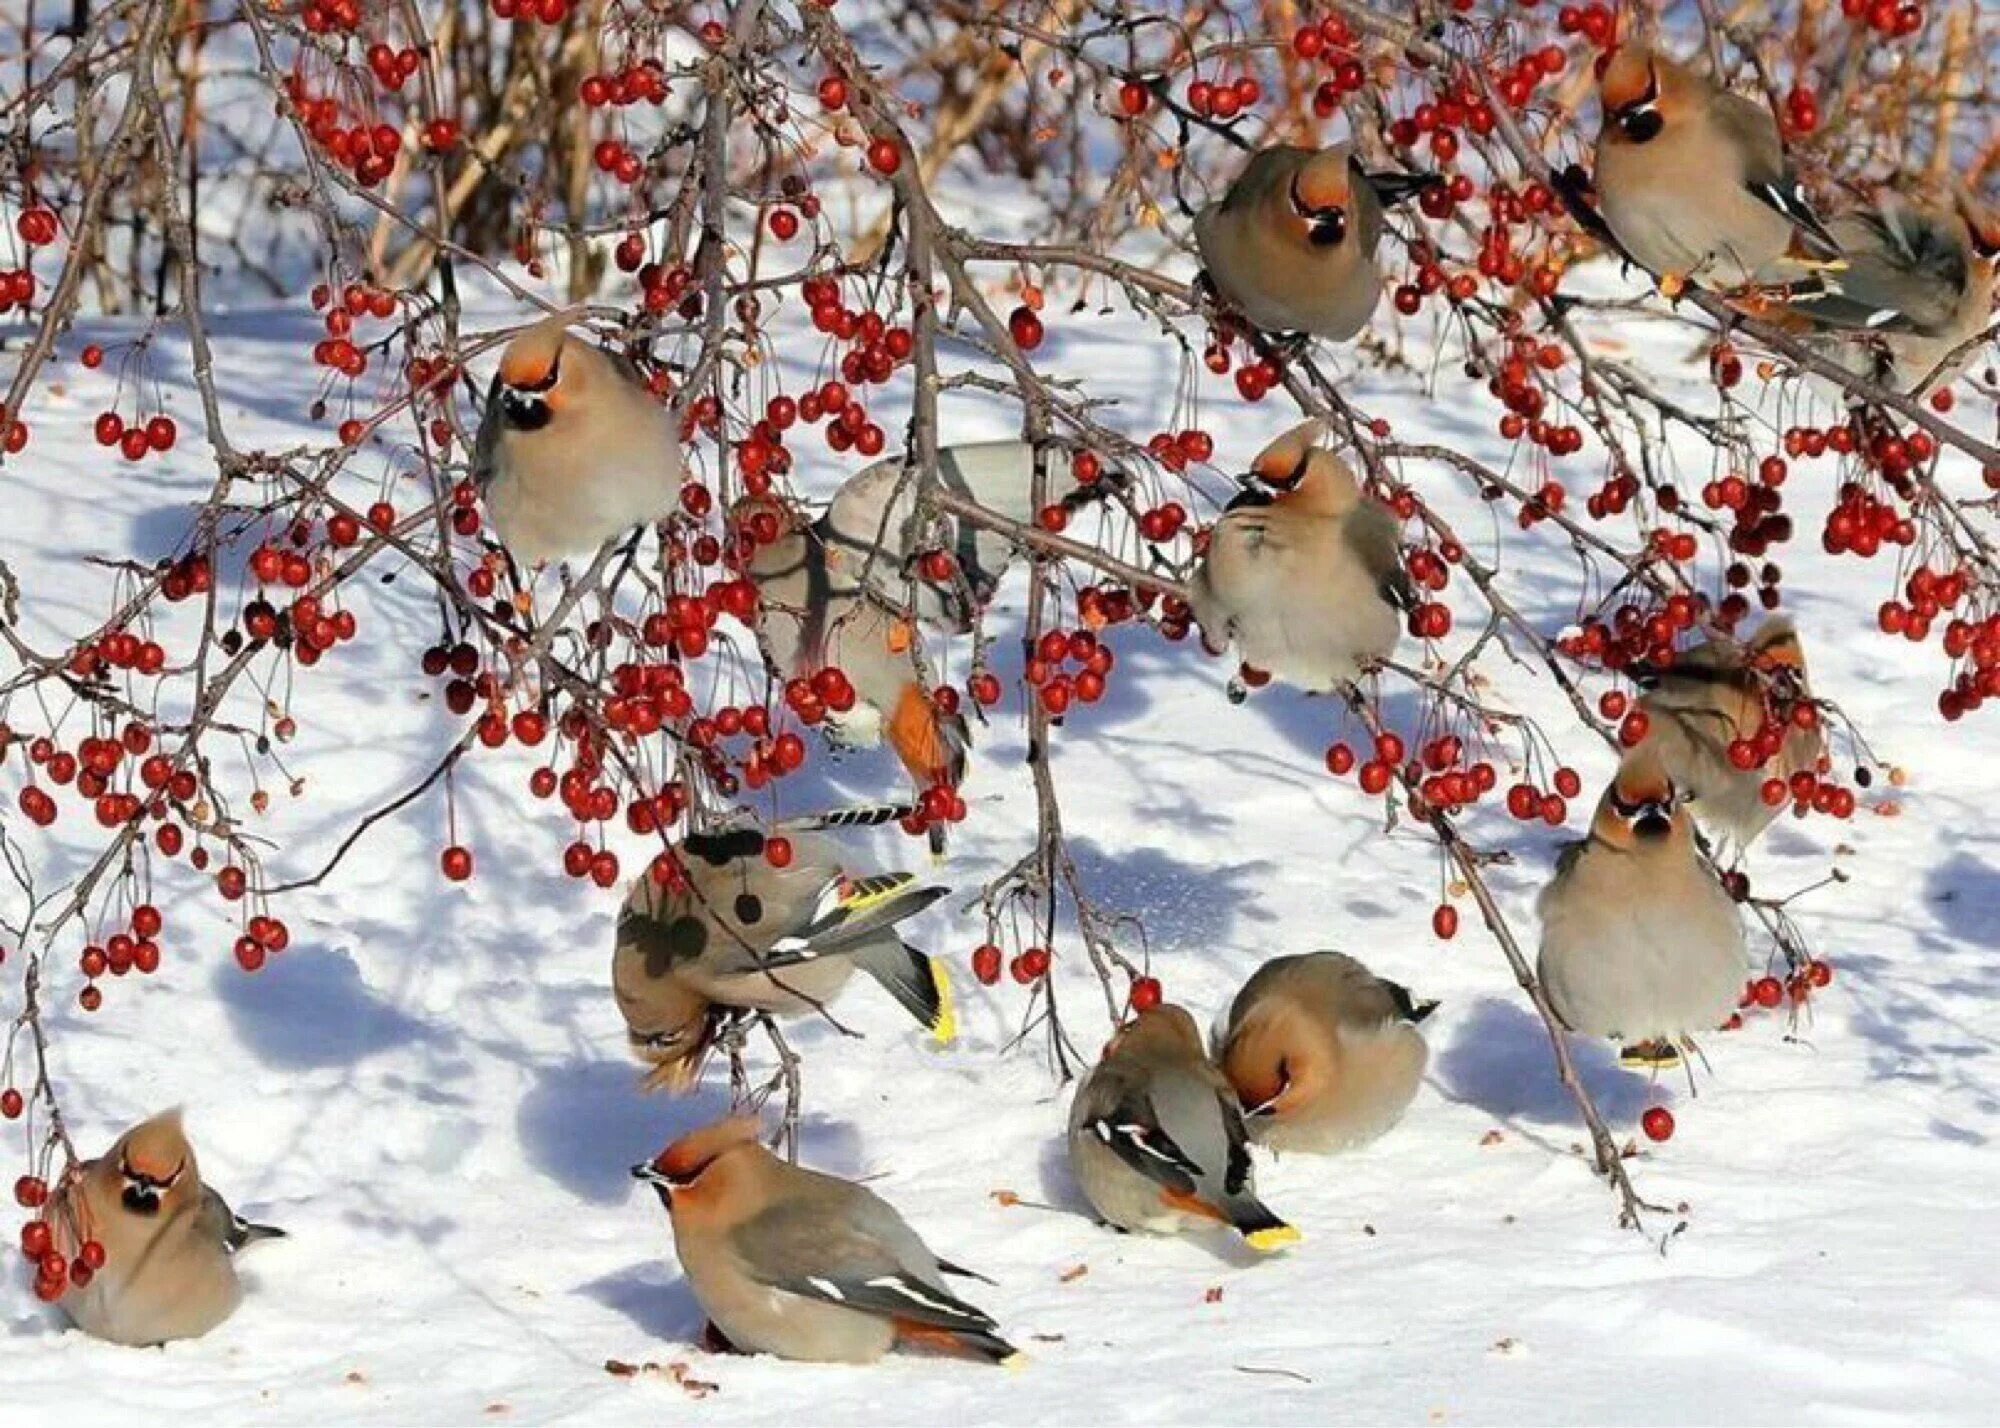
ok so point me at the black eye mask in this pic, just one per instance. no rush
(1325, 227)
(1640, 120)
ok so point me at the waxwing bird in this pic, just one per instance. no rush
(737, 933)
(790, 1262)
(1291, 245)
(1917, 290)
(1324, 1055)
(807, 628)
(573, 449)
(1694, 182)
(1716, 698)
(1157, 1141)
(1640, 943)
(1303, 573)
(169, 1241)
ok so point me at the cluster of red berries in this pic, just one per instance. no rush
(1027, 967)
(1518, 386)
(877, 349)
(393, 67)
(1223, 99)
(644, 82)
(155, 434)
(1595, 22)
(325, 17)
(1055, 687)
(1635, 633)
(337, 349)
(1330, 44)
(366, 150)
(54, 1275)
(262, 936)
(135, 948)
(37, 227)
(1887, 18)
(547, 12)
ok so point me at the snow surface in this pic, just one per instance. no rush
(430, 1089)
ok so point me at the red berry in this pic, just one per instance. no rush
(456, 862)
(778, 852)
(986, 963)
(1145, 993)
(884, 157)
(1657, 1123)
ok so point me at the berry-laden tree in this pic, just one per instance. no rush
(917, 197)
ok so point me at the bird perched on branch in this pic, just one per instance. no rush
(849, 591)
(573, 449)
(1723, 719)
(758, 922)
(169, 1241)
(1291, 245)
(854, 660)
(1157, 1141)
(1917, 291)
(790, 1262)
(1303, 574)
(1324, 1054)
(1640, 943)
(1694, 182)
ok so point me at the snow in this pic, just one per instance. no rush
(430, 1089)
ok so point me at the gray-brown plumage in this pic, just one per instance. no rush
(573, 448)
(1640, 943)
(169, 1240)
(1917, 290)
(1303, 573)
(1716, 694)
(790, 1262)
(1291, 245)
(1694, 182)
(1324, 1055)
(738, 934)
(1157, 1140)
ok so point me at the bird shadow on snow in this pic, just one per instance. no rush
(660, 1304)
(1964, 895)
(1499, 1061)
(309, 1008)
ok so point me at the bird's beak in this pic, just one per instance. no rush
(645, 1170)
(1254, 491)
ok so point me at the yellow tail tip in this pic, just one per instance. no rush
(945, 1029)
(1014, 1362)
(1275, 1238)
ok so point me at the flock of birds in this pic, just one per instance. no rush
(1302, 576)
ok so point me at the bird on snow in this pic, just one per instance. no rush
(1694, 182)
(1717, 696)
(1157, 1140)
(1324, 1054)
(169, 1241)
(802, 1265)
(573, 448)
(1291, 245)
(1303, 574)
(1640, 942)
(736, 932)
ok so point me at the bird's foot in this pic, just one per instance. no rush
(1673, 285)
(714, 1341)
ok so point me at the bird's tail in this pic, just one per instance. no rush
(1262, 1230)
(966, 1343)
(918, 981)
(243, 1233)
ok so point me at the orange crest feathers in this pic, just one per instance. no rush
(530, 359)
(157, 1149)
(1278, 462)
(1323, 180)
(694, 1152)
(1629, 71)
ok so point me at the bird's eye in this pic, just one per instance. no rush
(656, 1040)
(1641, 125)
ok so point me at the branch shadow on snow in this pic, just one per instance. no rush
(1964, 894)
(1499, 1061)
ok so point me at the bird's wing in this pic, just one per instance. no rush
(486, 445)
(1767, 172)
(219, 1223)
(1122, 1115)
(1906, 272)
(1375, 535)
(851, 910)
(848, 1247)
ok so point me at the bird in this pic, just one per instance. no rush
(1324, 1054)
(1706, 710)
(1694, 182)
(802, 1265)
(573, 448)
(734, 932)
(1302, 573)
(1291, 244)
(1917, 290)
(169, 1241)
(807, 629)
(1640, 942)
(1157, 1140)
